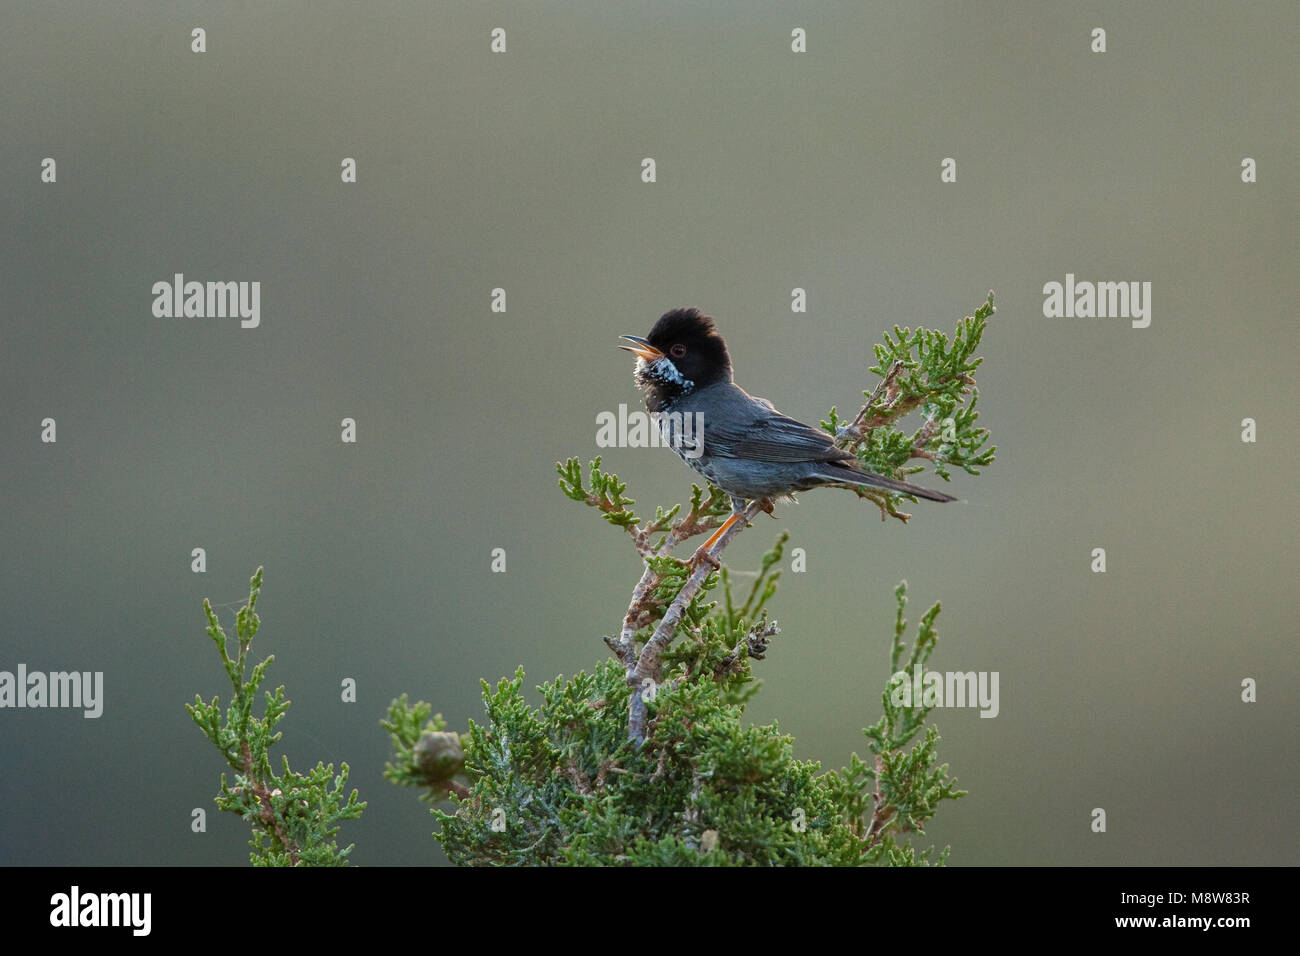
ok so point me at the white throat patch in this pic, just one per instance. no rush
(663, 370)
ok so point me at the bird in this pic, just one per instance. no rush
(737, 441)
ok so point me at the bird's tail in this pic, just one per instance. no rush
(851, 476)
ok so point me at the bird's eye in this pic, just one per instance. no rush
(677, 351)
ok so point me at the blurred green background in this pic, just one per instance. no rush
(775, 170)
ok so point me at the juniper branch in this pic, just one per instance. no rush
(294, 815)
(647, 663)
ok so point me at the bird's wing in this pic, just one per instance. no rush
(771, 436)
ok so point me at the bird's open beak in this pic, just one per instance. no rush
(645, 351)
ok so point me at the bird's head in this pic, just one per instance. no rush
(682, 353)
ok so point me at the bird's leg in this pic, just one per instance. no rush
(702, 553)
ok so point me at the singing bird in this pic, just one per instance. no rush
(743, 445)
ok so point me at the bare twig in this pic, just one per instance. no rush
(266, 811)
(922, 440)
(642, 608)
(881, 813)
(852, 435)
(625, 645)
(645, 673)
(452, 786)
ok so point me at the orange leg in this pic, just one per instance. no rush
(702, 553)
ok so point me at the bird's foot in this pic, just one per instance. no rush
(702, 556)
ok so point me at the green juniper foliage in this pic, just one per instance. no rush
(294, 817)
(427, 754)
(904, 782)
(561, 783)
(565, 783)
(920, 368)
